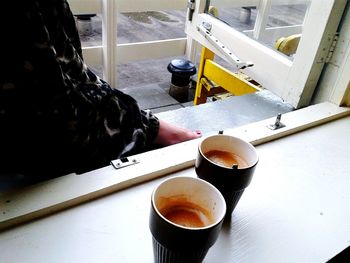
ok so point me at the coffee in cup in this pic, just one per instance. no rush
(226, 159)
(182, 212)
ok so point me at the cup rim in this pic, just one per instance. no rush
(236, 138)
(221, 217)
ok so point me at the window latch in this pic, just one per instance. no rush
(123, 162)
(205, 30)
(191, 5)
(278, 124)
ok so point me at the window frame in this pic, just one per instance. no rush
(294, 81)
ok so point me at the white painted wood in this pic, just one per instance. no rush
(262, 16)
(276, 32)
(334, 84)
(109, 41)
(294, 210)
(85, 6)
(138, 51)
(241, 3)
(61, 193)
(235, 3)
(294, 82)
(296, 121)
(95, 6)
(319, 30)
(150, 5)
(70, 190)
(93, 55)
(151, 50)
(193, 48)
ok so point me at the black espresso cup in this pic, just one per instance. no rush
(185, 219)
(228, 163)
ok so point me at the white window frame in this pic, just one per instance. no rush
(294, 81)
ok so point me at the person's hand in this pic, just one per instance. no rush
(170, 134)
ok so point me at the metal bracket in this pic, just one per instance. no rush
(123, 162)
(278, 124)
(205, 30)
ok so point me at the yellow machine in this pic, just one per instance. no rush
(214, 78)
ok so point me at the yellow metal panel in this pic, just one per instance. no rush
(206, 55)
(230, 81)
(224, 80)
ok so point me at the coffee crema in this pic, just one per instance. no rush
(186, 214)
(226, 159)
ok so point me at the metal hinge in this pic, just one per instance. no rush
(332, 48)
(205, 30)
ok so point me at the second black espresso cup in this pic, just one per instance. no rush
(185, 219)
(228, 163)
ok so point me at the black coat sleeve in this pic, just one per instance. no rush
(54, 111)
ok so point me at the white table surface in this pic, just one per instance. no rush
(296, 209)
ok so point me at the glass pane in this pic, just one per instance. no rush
(279, 27)
(240, 18)
(150, 26)
(90, 29)
(134, 27)
(284, 21)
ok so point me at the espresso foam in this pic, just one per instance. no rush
(186, 214)
(226, 159)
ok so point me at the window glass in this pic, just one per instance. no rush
(150, 26)
(279, 26)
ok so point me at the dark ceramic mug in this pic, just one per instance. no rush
(230, 180)
(176, 206)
